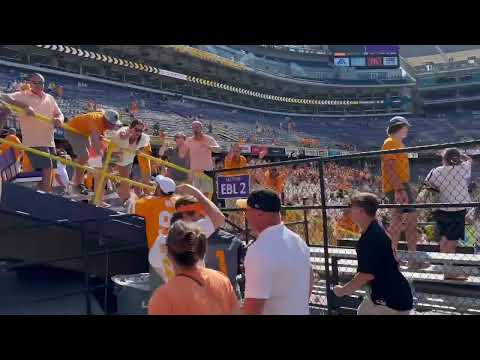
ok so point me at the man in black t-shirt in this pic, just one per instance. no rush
(388, 292)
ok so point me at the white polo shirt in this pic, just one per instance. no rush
(277, 268)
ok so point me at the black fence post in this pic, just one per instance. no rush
(323, 200)
(214, 186)
(305, 222)
(88, 304)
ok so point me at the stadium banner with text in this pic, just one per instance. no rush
(292, 151)
(245, 148)
(257, 149)
(333, 152)
(276, 151)
(233, 187)
(310, 152)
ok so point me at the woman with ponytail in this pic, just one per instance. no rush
(195, 290)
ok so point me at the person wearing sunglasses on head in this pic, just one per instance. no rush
(37, 134)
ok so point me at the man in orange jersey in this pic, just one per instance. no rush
(92, 127)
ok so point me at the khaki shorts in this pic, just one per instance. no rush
(202, 183)
(367, 307)
(79, 144)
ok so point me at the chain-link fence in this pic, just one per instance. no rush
(428, 206)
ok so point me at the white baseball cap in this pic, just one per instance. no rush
(166, 184)
(112, 117)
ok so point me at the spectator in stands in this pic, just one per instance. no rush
(91, 128)
(275, 180)
(233, 160)
(128, 140)
(195, 290)
(396, 179)
(451, 180)
(179, 156)
(210, 127)
(61, 176)
(388, 291)
(279, 277)
(201, 147)
(38, 134)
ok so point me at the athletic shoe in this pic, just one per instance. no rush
(414, 264)
(81, 189)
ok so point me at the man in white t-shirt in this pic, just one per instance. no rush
(279, 277)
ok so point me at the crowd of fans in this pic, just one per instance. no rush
(180, 215)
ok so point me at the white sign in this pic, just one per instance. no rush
(390, 61)
(341, 61)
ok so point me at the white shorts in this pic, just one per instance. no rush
(367, 307)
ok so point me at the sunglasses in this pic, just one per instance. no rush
(138, 130)
(37, 82)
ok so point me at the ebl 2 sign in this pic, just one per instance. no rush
(233, 187)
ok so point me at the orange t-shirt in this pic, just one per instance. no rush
(86, 123)
(157, 211)
(14, 139)
(230, 163)
(144, 163)
(401, 167)
(277, 184)
(210, 293)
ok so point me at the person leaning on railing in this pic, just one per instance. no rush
(131, 138)
(179, 155)
(91, 127)
(35, 133)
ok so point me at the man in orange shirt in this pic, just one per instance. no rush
(234, 160)
(396, 179)
(92, 127)
(275, 180)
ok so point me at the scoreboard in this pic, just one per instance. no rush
(366, 56)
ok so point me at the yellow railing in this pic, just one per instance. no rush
(104, 173)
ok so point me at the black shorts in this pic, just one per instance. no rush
(40, 162)
(450, 224)
(411, 199)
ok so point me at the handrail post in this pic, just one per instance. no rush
(323, 198)
(101, 182)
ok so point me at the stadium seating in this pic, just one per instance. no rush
(175, 114)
